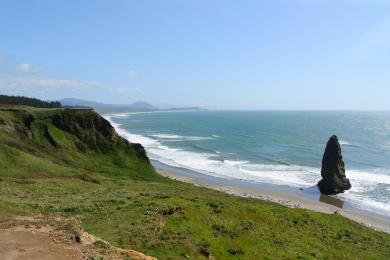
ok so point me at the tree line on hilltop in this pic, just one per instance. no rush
(26, 101)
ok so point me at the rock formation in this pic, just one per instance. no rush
(85, 124)
(333, 172)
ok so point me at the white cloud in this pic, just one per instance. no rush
(39, 84)
(27, 68)
(126, 90)
(11, 82)
(131, 73)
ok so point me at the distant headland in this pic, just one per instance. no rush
(139, 106)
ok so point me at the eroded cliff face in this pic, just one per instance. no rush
(20, 123)
(82, 124)
(91, 130)
(334, 180)
(95, 131)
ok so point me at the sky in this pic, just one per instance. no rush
(218, 54)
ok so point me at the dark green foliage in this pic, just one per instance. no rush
(26, 101)
(217, 208)
(204, 248)
(235, 251)
(221, 230)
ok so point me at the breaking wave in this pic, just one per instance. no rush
(207, 162)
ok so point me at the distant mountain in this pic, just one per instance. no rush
(142, 105)
(102, 107)
(171, 106)
(74, 102)
(139, 106)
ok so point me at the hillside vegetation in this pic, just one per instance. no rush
(71, 162)
(26, 101)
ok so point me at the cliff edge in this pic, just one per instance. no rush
(76, 138)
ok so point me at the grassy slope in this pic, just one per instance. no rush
(125, 202)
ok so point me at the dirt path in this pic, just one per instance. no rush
(52, 237)
(15, 245)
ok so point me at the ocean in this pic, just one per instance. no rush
(270, 147)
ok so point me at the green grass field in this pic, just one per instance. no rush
(70, 163)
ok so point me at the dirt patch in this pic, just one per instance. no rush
(18, 181)
(52, 237)
(34, 246)
(172, 210)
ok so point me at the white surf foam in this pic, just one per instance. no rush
(342, 142)
(173, 137)
(167, 136)
(235, 163)
(365, 203)
(290, 175)
(368, 178)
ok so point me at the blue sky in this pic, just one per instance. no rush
(271, 54)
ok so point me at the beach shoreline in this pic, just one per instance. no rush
(305, 197)
(284, 198)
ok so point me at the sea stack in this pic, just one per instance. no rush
(333, 180)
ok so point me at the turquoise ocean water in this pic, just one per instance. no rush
(278, 148)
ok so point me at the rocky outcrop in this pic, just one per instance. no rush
(83, 122)
(333, 180)
(22, 126)
(140, 150)
(94, 131)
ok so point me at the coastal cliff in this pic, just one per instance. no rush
(68, 168)
(68, 137)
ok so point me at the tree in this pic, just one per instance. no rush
(26, 101)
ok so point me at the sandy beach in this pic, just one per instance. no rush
(287, 199)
